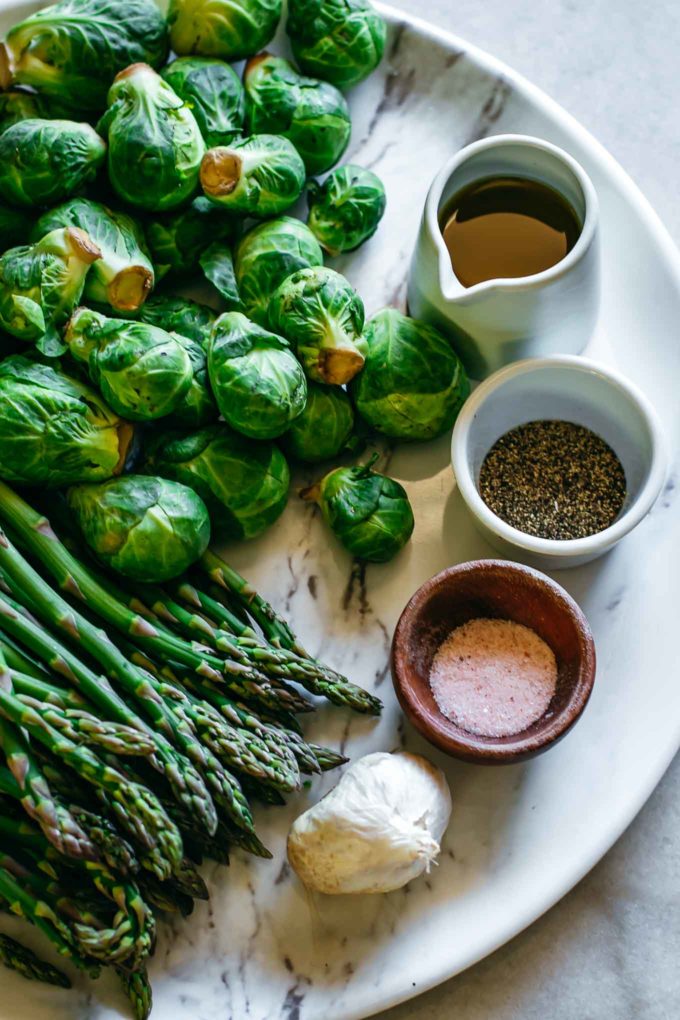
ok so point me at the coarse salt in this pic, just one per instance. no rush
(493, 677)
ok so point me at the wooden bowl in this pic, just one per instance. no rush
(508, 591)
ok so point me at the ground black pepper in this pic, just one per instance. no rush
(553, 479)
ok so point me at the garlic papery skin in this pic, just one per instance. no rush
(378, 829)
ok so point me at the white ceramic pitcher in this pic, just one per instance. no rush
(498, 321)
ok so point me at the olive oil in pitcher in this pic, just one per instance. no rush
(507, 227)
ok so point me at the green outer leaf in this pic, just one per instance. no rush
(142, 371)
(119, 238)
(75, 47)
(197, 407)
(25, 962)
(155, 146)
(17, 105)
(213, 92)
(346, 209)
(177, 240)
(54, 430)
(46, 161)
(266, 256)
(243, 483)
(217, 264)
(341, 41)
(148, 529)
(178, 315)
(258, 383)
(230, 29)
(321, 315)
(312, 114)
(323, 428)
(368, 512)
(413, 384)
(266, 172)
(40, 284)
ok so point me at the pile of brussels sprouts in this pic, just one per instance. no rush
(123, 178)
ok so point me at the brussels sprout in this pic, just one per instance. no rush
(74, 48)
(262, 175)
(142, 371)
(123, 276)
(266, 256)
(41, 284)
(323, 317)
(413, 385)
(346, 209)
(217, 264)
(15, 226)
(324, 428)
(213, 92)
(178, 315)
(311, 113)
(231, 29)
(369, 513)
(46, 161)
(178, 240)
(197, 407)
(258, 383)
(148, 529)
(155, 147)
(190, 323)
(54, 430)
(243, 483)
(16, 105)
(341, 41)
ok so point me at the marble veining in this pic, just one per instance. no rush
(262, 949)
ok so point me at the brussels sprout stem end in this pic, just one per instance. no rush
(220, 171)
(254, 62)
(6, 75)
(312, 493)
(129, 288)
(82, 245)
(337, 365)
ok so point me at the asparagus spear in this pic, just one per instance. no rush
(138, 990)
(132, 933)
(236, 748)
(135, 807)
(18, 660)
(97, 643)
(116, 852)
(282, 661)
(322, 681)
(189, 882)
(326, 758)
(23, 903)
(75, 578)
(274, 626)
(274, 662)
(166, 897)
(259, 747)
(85, 728)
(34, 792)
(25, 962)
(180, 773)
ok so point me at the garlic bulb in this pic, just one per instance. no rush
(376, 830)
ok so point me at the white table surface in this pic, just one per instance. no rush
(610, 949)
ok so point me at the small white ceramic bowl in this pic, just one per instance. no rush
(572, 389)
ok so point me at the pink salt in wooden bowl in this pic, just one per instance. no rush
(501, 590)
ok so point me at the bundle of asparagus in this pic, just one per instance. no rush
(134, 728)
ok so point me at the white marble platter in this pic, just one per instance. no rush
(520, 836)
